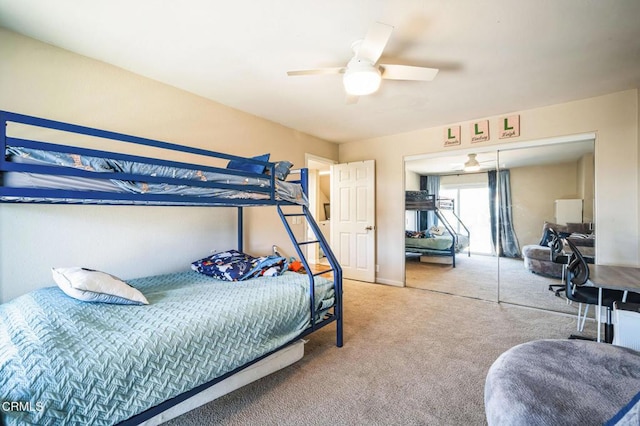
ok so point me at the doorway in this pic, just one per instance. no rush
(319, 203)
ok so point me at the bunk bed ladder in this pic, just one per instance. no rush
(452, 208)
(334, 266)
(453, 212)
(452, 232)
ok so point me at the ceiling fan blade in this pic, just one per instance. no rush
(351, 99)
(336, 70)
(374, 42)
(407, 72)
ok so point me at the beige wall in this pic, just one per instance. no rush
(324, 195)
(41, 80)
(586, 181)
(533, 194)
(412, 181)
(613, 117)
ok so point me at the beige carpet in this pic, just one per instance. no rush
(410, 357)
(477, 276)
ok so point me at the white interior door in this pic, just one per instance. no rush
(353, 209)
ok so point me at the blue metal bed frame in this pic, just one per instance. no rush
(423, 201)
(65, 196)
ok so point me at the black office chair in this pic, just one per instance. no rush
(575, 289)
(557, 256)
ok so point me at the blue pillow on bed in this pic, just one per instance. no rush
(246, 166)
(282, 169)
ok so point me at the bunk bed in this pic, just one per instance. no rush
(66, 361)
(445, 241)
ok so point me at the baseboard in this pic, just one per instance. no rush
(389, 282)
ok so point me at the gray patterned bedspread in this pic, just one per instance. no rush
(63, 361)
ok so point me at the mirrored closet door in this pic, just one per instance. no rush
(540, 187)
(495, 205)
(448, 213)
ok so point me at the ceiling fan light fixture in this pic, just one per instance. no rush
(361, 79)
(472, 164)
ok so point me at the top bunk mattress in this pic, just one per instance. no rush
(286, 191)
(92, 363)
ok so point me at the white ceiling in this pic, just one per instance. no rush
(532, 153)
(494, 56)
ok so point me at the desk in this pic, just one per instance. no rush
(625, 278)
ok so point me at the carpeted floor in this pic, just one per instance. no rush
(410, 357)
(477, 276)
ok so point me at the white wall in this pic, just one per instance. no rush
(41, 80)
(614, 117)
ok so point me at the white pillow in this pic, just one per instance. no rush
(95, 286)
(436, 230)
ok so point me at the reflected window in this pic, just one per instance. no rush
(472, 207)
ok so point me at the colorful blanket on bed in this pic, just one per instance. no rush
(232, 265)
(63, 361)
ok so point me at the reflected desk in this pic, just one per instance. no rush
(625, 278)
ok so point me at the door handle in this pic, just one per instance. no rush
(369, 228)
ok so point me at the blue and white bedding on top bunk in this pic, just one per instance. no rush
(66, 358)
(34, 170)
(95, 363)
(286, 191)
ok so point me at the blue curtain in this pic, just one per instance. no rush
(493, 196)
(503, 236)
(431, 184)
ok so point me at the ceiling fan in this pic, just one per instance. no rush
(363, 73)
(472, 164)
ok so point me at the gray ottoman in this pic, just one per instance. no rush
(562, 382)
(538, 259)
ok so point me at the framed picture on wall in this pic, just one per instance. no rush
(327, 211)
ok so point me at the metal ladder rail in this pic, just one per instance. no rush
(451, 231)
(337, 273)
(466, 229)
(333, 263)
(453, 210)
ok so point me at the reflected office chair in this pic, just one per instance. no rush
(558, 255)
(575, 289)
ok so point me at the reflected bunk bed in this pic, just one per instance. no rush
(425, 243)
(65, 361)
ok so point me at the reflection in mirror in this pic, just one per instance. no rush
(448, 245)
(548, 186)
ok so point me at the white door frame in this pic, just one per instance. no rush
(312, 162)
